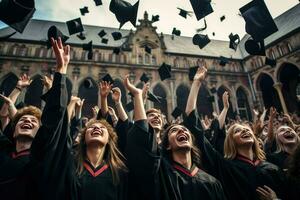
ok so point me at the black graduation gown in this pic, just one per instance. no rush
(281, 159)
(58, 178)
(158, 177)
(239, 177)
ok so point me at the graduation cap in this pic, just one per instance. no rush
(184, 13)
(255, 48)
(213, 90)
(116, 50)
(152, 97)
(234, 41)
(90, 55)
(108, 79)
(129, 107)
(124, 11)
(98, 2)
(176, 32)
(84, 10)
(201, 8)
(164, 71)
(116, 35)
(222, 18)
(16, 14)
(203, 28)
(144, 78)
(155, 18)
(102, 33)
(87, 83)
(88, 46)
(176, 112)
(213, 33)
(104, 40)
(81, 36)
(201, 40)
(55, 33)
(271, 62)
(148, 49)
(223, 61)
(75, 26)
(192, 72)
(210, 98)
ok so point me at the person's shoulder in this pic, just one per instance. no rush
(206, 178)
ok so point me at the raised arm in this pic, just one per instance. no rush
(223, 114)
(116, 96)
(105, 89)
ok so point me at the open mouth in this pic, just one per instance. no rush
(246, 135)
(27, 126)
(155, 122)
(182, 138)
(96, 133)
(288, 136)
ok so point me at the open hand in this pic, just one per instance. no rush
(105, 88)
(62, 55)
(24, 81)
(131, 88)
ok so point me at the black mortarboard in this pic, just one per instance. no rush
(192, 72)
(144, 78)
(104, 40)
(201, 8)
(213, 33)
(116, 35)
(155, 18)
(259, 22)
(98, 2)
(201, 40)
(87, 83)
(255, 48)
(271, 62)
(164, 71)
(55, 33)
(222, 18)
(102, 33)
(176, 32)
(210, 98)
(108, 78)
(203, 28)
(147, 49)
(116, 50)
(16, 14)
(213, 90)
(152, 97)
(184, 13)
(129, 107)
(176, 112)
(234, 41)
(88, 46)
(81, 36)
(90, 55)
(223, 61)
(124, 11)
(84, 10)
(75, 26)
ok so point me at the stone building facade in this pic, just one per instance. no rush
(247, 79)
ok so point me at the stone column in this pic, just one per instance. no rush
(278, 87)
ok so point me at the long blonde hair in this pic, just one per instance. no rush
(230, 150)
(280, 146)
(112, 155)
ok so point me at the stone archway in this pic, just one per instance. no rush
(159, 91)
(90, 95)
(204, 102)
(243, 104)
(182, 93)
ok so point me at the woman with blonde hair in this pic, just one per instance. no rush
(243, 172)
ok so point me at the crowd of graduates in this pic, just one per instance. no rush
(56, 153)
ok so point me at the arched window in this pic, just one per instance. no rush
(140, 59)
(13, 49)
(186, 63)
(159, 91)
(204, 102)
(110, 57)
(1, 49)
(243, 105)
(124, 58)
(154, 60)
(90, 95)
(34, 92)
(147, 59)
(182, 94)
(289, 46)
(176, 62)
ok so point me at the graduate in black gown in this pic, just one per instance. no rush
(243, 172)
(170, 174)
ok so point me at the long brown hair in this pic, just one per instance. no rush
(112, 155)
(230, 151)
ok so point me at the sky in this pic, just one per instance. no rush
(64, 10)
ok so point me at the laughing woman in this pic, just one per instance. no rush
(243, 172)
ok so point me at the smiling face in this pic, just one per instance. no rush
(96, 133)
(242, 135)
(179, 138)
(27, 126)
(155, 120)
(286, 135)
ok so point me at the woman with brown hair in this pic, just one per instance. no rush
(243, 172)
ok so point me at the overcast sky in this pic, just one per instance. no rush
(64, 10)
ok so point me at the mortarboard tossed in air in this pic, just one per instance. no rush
(90, 55)
(147, 49)
(201, 8)
(176, 32)
(116, 35)
(203, 28)
(74, 26)
(129, 107)
(124, 11)
(176, 112)
(55, 33)
(183, 13)
(259, 25)
(81, 36)
(155, 18)
(223, 61)
(88, 47)
(213, 33)
(107, 78)
(116, 50)
(164, 71)
(102, 33)
(87, 83)
(271, 62)
(104, 40)
(234, 41)
(16, 14)
(192, 72)
(144, 78)
(98, 2)
(84, 10)
(213, 90)
(222, 18)
(201, 40)
(153, 98)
